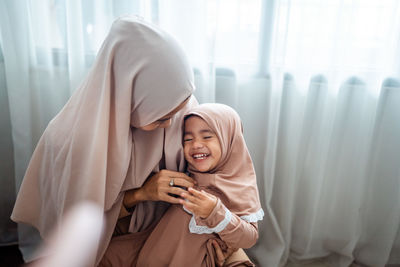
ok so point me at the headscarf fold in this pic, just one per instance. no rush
(93, 150)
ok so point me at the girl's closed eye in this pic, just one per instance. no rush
(187, 139)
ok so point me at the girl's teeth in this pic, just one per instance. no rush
(199, 156)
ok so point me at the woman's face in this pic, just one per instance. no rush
(201, 145)
(165, 121)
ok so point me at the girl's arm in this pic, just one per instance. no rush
(233, 230)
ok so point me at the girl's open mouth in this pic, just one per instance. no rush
(200, 156)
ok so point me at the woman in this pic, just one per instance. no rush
(112, 138)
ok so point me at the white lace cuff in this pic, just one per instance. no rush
(200, 229)
(254, 217)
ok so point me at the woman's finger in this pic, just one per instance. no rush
(182, 182)
(170, 199)
(174, 174)
(157, 186)
(175, 191)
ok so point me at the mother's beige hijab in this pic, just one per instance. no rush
(93, 150)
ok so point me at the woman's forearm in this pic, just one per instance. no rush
(131, 198)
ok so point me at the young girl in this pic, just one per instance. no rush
(223, 207)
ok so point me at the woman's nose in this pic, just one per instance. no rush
(166, 124)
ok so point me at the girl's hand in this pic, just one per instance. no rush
(199, 203)
(158, 188)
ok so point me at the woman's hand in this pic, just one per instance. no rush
(200, 203)
(158, 188)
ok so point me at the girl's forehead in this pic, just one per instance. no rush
(195, 121)
(195, 124)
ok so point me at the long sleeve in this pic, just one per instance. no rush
(234, 231)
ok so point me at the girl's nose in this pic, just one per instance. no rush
(197, 144)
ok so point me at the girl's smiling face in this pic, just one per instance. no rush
(201, 145)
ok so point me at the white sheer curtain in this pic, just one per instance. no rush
(315, 82)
